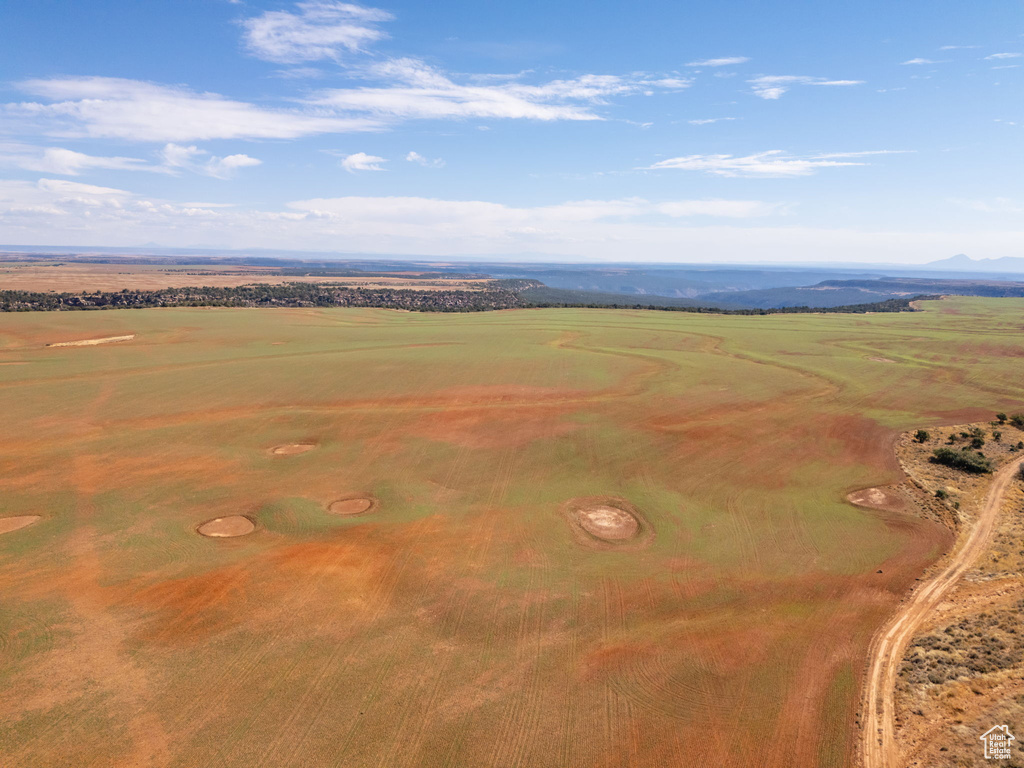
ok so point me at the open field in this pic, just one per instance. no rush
(450, 611)
(74, 277)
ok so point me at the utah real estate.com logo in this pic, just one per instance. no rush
(997, 742)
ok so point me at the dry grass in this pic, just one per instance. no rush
(965, 671)
(75, 278)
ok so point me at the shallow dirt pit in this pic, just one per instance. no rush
(887, 499)
(353, 505)
(8, 524)
(881, 359)
(292, 449)
(604, 522)
(608, 523)
(92, 342)
(227, 527)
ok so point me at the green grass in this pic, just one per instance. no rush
(462, 619)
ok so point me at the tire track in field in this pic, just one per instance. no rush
(455, 610)
(456, 615)
(103, 636)
(521, 714)
(322, 685)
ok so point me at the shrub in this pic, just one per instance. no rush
(997, 436)
(965, 461)
(941, 494)
(1017, 420)
(921, 436)
(1001, 417)
(977, 442)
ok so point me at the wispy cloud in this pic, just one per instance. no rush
(115, 108)
(64, 212)
(200, 161)
(318, 30)
(723, 62)
(772, 164)
(774, 86)
(420, 91)
(709, 120)
(997, 56)
(958, 47)
(416, 157)
(67, 162)
(732, 209)
(360, 161)
(993, 205)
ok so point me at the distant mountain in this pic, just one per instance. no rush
(1008, 265)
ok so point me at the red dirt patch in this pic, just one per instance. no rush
(353, 505)
(292, 449)
(8, 524)
(227, 527)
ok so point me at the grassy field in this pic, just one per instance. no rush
(461, 623)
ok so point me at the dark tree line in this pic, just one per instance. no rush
(498, 294)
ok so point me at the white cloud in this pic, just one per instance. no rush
(774, 86)
(709, 120)
(104, 107)
(995, 205)
(420, 91)
(319, 30)
(55, 212)
(919, 61)
(958, 47)
(735, 209)
(1003, 56)
(416, 157)
(771, 164)
(723, 62)
(115, 108)
(200, 161)
(64, 187)
(361, 161)
(66, 162)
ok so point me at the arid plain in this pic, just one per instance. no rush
(459, 616)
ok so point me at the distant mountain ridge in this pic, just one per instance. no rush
(964, 263)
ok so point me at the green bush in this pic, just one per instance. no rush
(921, 436)
(964, 460)
(1017, 420)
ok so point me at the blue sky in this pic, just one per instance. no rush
(663, 131)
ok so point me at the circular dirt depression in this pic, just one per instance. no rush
(352, 505)
(227, 527)
(608, 523)
(604, 522)
(886, 498)
(8, 524)
(292, 449)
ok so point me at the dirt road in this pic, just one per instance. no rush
(886, 653)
